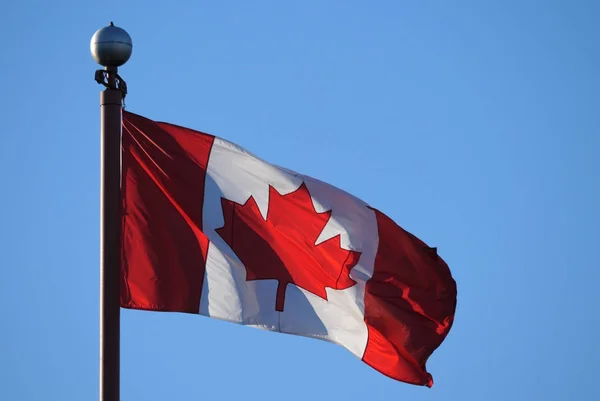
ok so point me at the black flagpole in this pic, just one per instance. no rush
(111, 47)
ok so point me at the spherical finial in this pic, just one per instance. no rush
(111, 46)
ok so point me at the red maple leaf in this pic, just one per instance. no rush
(282, 247)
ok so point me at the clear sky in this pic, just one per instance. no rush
(474, 124)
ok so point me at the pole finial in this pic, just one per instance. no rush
(111, 46)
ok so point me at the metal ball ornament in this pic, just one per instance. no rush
(111, 46)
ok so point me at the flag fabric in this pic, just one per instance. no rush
(209, 228)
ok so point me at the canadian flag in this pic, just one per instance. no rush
(209, 228)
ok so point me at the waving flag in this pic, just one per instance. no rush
(209, 228)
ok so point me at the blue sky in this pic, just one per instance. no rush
(474, 124)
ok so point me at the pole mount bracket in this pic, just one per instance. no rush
(111, 80)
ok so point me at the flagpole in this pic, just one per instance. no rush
(110, 47)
